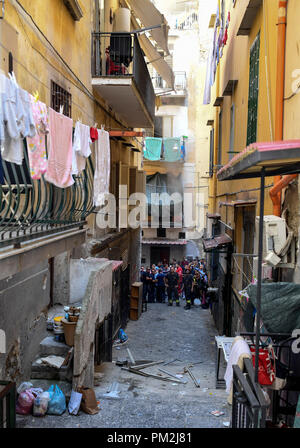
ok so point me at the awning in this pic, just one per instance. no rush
(165, 242)
(155, 58)
(157, 61)
(276, 158)
(217, 242)
(150, 16)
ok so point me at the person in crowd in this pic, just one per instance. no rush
(203, 287)
(188, 283)
(196, 287)
(171, 280)
(160, 287)
(152, 286)
(180, 274)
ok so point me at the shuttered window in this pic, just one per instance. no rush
(253, 91)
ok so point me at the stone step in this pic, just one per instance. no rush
(49, 346)
(44, 372)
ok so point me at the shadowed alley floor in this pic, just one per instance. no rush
(162, 333)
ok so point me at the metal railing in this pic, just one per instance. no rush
(7, 404)
(180, 82)
(34, 208)
(120, 55)
(249, 405)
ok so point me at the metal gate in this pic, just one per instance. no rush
(103, 341)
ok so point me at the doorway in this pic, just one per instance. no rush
(161, 253)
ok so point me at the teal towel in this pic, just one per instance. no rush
(153, 148)
(172, 148)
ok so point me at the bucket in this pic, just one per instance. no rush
(57, 325)
(69, 331)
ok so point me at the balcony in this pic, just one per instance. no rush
(176, 97)
(121, 77)
(35, 209)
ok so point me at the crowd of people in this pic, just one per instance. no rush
(176, 281)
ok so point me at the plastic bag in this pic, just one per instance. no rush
(57, 403)
(25, 403)
(40, 404)
(122, 336)
(74, 403)
(24, 386)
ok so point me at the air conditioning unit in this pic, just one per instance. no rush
(278, 245)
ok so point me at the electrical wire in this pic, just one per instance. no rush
(84, 89)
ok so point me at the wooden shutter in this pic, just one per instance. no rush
(253, 91)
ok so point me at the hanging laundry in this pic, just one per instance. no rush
(102, 167)
(94, 134)
(18, 121)
(37, 145)
(81, 147)
(60, 150)
(172, 149)
(152, 148)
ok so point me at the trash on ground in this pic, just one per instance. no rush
(131, 357)
(57, 403)
(88, 403)
(40, 405)
(113, 393)
(226, 424)
(187, 370)
(24, 386)
(25, 402)
(74, 403)
(122, 336)
(217, 413)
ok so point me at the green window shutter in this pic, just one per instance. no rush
(253, 91)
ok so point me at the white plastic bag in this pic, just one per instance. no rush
(74, 403)
(24, 386)
(40, 404)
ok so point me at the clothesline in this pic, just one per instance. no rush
(23, 116)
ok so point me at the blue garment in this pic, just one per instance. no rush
(153, 148)
(160, 279)
(172, 149)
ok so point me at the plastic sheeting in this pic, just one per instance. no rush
(280, 306)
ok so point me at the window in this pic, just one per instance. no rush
(253, 92)
(60, 97)
(220, 139)
(181, 235)
(231, 138)
(211, 157)
(161, 233)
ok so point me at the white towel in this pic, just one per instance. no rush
(239, 348)
(102, 168)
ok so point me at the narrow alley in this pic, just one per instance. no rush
(162, 333)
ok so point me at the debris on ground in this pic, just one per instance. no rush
(53, 361)
(113, 393)
(217, 413)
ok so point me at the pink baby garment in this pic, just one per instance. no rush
(59, 170)
(37, 145)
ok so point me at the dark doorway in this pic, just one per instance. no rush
(161, 253)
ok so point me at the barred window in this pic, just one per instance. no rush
(60, 97)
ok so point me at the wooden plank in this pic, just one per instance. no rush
(126, 134)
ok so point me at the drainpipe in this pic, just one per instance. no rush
(279, 183)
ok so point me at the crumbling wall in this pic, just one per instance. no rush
(96, 306)
(24, 299)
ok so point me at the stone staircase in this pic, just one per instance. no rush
(48, 347)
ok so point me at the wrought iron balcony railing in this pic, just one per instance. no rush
(118, 55)
(34, 208)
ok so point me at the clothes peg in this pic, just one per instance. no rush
(61, 109)
(36, 96)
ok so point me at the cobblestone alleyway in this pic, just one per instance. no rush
(162, 333)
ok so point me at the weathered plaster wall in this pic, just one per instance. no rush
(24, 299)
(95, 307)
